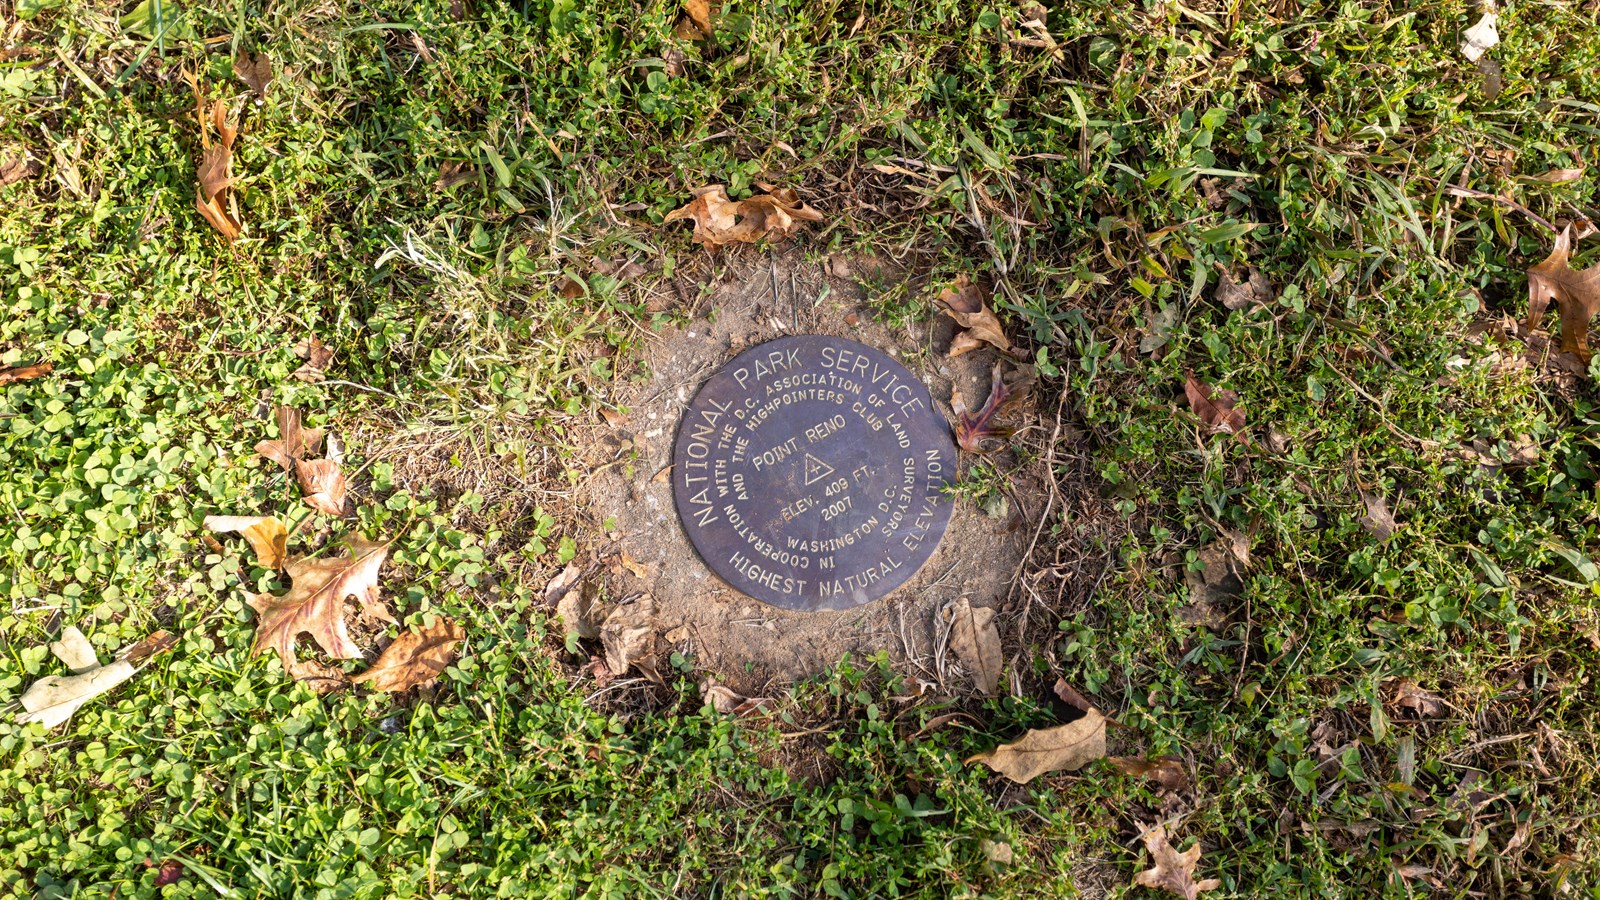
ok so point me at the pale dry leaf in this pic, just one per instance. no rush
(15, 166)
(322, 482)
(1477, 40)
(719, 221)
(75, 651)
(1254, 291)
(1214, 408)
(13, 374)
(967, 303)
(579, 612)
(1073, 697)
(1555, 176)
(976, 641)
(314, 604)
(629, 637)
(416, 657)
(1379, 521)
(695, 23)
(254, 69)
(726, 701)
(1166, 771)
(317, 356)
(293, 442)
(1064, 748)
(265, 534)
(1173, 871)
(1577, 291)
(52, 700)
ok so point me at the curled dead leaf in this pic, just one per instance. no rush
(1555, 176)
(15, 166)
(1406, 694)
(416, 657)
(1064, 748)
(629, 638)
(976, 641)
(695, 22)
(1577, 291)
(724, 700)
(1477, 40)
(967, 302)
(719, 221)
(1379, 521)
(265, 534)
(1214, 408)
(1173, 871)
(254, 69)
(214, 173)
(322, 482)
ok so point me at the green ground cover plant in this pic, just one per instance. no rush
(426, 186)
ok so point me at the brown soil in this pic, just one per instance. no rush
(754, 648)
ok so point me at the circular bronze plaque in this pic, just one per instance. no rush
(809, 473)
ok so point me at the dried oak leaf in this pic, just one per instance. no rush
(322, 482)
(1064, 748)
(629, 637)
(719, 221)
(416, 657)
(314, 604)
(1214, 408)
(1254, 291)
(967, 302)
(976, 641)
(12, 374)
(317, 356)
(1166, 771)
(214, 194)
(1408, 695)
(293, 442)
(254, 69)
(265, 534)
(1578, 292)
(1173, 871)
(973, 428)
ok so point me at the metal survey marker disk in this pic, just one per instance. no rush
(809, 473)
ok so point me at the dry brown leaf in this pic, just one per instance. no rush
(1215, 408)
(1578, 292)
(1173, 871)
(1073, 697)
(724, 700)
(320, 677)
(629, 637)
(719, 221)
(578, 612)
(293, 442)
(53, 699)
(1064, 748)
(1480, 37)
(1407, 695)
(967, 302)
(1379, 521)
(974, 428)
(12, 374)
(15, 166)
(1254, 291)
(254, 69)
(1166, 771)
(695, 23)
(416, 657)
(265, 534)
(314, 604)
(322, 483)
(214, 174)
(317, 356)
(976, 641)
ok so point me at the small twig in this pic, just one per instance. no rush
(1475, 194)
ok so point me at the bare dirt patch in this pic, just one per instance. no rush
(752, 647)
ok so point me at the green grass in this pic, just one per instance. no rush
(1078, 181)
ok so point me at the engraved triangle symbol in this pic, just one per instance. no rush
(816, 470)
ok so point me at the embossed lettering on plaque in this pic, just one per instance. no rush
(810, 471)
